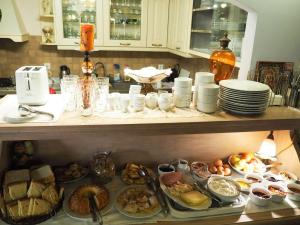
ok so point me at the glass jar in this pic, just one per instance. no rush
(222, 61)
(102, 167)
(86, 95)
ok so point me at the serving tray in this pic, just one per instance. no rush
(178, 211)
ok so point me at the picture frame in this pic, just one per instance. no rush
(268, 72)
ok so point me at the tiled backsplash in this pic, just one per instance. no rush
(14, 55)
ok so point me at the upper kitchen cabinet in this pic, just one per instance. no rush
(68, 16)
(212, 18)
(179, 25)
(125, 23)
(158, 12)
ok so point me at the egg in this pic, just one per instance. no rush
(227, 171)
(220, 173)
(218, 163)
(213, 169)
(220, 168)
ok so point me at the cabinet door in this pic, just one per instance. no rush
(125, 23)
(179, 24)
(68, 16)
(158, 13)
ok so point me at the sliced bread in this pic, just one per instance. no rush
(17, 190)
(2, 205)
(23, 207)
(35, 189)
(50, 194)
(40, 207)
(15, 176)
(12, 210)
(43, 174)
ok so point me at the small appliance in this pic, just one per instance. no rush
(32, 85)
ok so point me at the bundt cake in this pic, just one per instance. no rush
(79, 200)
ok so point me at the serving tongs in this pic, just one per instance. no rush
(25, 110)
(95, 212)
(155, 187)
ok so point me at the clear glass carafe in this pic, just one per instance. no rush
(102, 167)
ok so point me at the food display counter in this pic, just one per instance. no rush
(159, 140)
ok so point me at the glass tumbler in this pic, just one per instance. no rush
(69, 94)
(102, 91)
(86, 95)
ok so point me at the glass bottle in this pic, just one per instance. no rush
(87, 33)
(222, 61)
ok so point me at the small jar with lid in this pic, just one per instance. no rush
(103, 167)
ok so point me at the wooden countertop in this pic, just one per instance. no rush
(275, 118)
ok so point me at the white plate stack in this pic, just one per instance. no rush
(243, 96)
(183, 92)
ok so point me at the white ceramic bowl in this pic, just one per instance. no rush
(207, 98)
(165, 168)
(276, 197)
(291, 193)
(207, 107)
(204, 78)
(259, 200)
(244, 180)
(223, 197)
(208, 89)
(256, 176)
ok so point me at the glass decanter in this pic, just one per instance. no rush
(102, 167)
(222, 61)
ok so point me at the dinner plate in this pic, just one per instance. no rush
(244, 85)
(248, 97)
(205, 205)
(70, 180)
(262, 170)
(242, 108)
(135, 215)
(15, 117)
(247, 105)
(77, 216)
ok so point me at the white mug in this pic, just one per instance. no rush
(165, 101)
(151, 100)
(138, 102)
(124, 103)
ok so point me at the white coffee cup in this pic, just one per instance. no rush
(151, 100)
(138, 102)
(165, 101)
(125, 103)
(133, 90)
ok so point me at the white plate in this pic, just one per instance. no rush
(247, 96)
(233, 91)
(205, 205)
(244, 85)
(135, 215)
(236, 111)
(263, 167)
(15, 117)
(76, 216)
(247, 105)
(241, 108)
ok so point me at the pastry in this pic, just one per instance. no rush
(193, 198)
(15, 176)
(35, 189)
(17, 190)
(39, 206)
(79, 200)
(12, 210)
(23, 208)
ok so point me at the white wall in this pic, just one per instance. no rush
(277, 32)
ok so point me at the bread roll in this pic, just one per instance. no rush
(193, 198)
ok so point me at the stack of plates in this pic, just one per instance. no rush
(243, 96)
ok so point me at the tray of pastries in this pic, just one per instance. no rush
(137, 201)
(30, 196)
(70, 173)
(77, 203)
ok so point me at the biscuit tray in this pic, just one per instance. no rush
(36, 219)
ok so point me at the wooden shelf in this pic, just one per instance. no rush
(275, 118)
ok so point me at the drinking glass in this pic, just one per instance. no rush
(86, 96)
(69, 94)
(102, 91)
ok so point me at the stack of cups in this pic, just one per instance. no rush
(183, 92)
(206, 92)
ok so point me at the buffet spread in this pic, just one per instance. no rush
(174, 191)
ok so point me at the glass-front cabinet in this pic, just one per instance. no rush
(125, 23)
(211, 19)
(69, 15)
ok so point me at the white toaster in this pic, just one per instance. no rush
(32, 85)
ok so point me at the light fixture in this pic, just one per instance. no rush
(223, 5)
(267, 148)
(215, 6)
